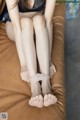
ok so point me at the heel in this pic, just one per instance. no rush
(24, 74)
(52, 70)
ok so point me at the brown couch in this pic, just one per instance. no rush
(15, 93)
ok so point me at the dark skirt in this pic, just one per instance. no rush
(5, 15)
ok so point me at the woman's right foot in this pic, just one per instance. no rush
(36, 99)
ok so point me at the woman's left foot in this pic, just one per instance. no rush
(49, 99)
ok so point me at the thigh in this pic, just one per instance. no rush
(10, 31)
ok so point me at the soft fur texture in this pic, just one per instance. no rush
(15, 93)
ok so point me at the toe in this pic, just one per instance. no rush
(37, 97)
(34, 98)
(52, 96)
(49, 96)
(40, 97)
(55, 99)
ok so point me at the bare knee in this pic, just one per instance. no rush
(39, 21)
(26, 23)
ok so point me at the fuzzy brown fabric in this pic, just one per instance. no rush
(15, 93)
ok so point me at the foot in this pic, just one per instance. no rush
(49, 99)
(36, 101)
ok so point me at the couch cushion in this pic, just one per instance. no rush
(15, 93)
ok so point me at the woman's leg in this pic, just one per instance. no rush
(50, 34)
(30, 57)
(43, 53)
(10, 34)
(27, 33)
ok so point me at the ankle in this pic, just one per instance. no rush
(35, 89)
(46, 87)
